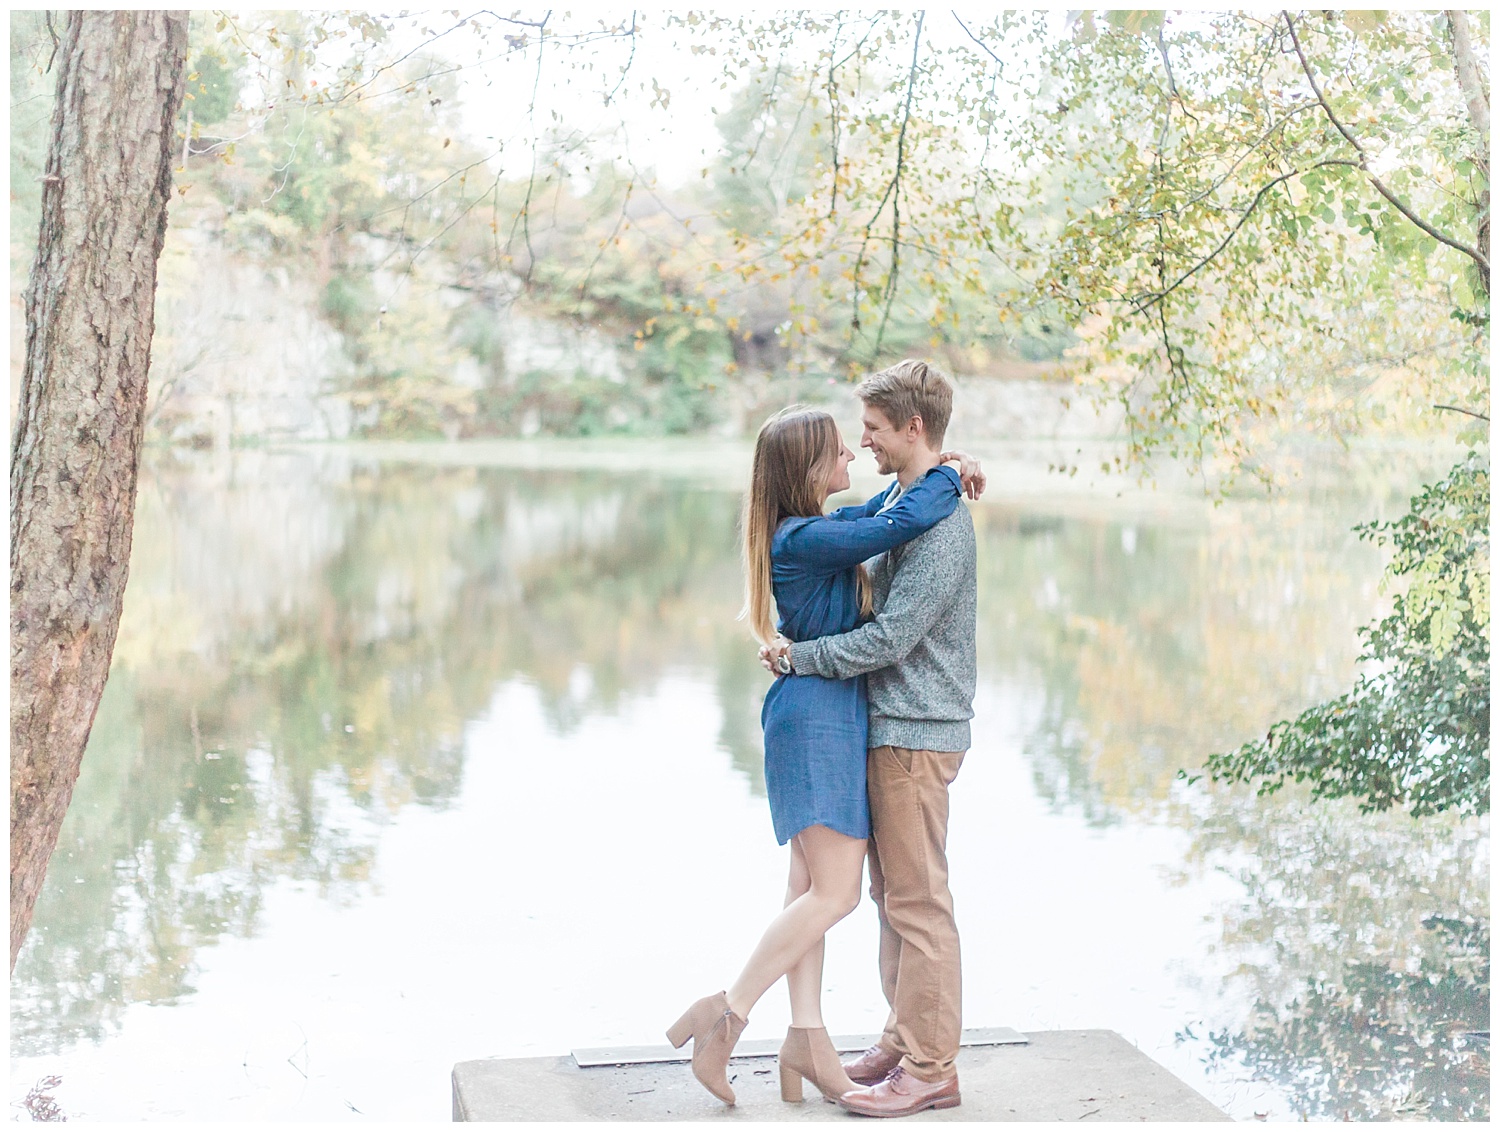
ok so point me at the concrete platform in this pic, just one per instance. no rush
(1055, 1075)
(768, 1047)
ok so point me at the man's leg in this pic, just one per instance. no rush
(909, 814)
(872, 1066)
(890, 942)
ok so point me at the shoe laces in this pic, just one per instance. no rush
(895, 1075)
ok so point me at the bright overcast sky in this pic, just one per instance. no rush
(498, 82)
(678, 141)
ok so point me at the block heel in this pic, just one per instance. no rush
(808, 1054)
(791, 1085)
(715, 1029)
(681, 1030)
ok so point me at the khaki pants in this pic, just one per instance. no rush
(919, 963)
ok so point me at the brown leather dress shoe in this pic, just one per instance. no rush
(901, 1094)
(873, 1066)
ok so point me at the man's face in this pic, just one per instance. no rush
(891, 446)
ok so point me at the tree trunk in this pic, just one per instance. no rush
(1477, 99)
(74, 454)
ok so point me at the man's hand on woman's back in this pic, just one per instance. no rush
(769, 654)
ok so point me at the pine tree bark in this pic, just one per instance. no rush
(77, 440)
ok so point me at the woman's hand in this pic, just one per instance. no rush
(769, 654)
(970, 475)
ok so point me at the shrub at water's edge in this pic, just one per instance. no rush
(1413, 731)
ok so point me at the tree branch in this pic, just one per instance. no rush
(978, 42)
(603, 247)
(1142, 307)
(833, 118)
(860, 46)
(1364, 164)
(890, 286)
(351, 91)
(525, 214)
(625, 70)
(1457, 409)
(56, 43)
(859, 260)
(768, 103)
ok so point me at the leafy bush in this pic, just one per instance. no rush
(349, 302)
(1415, 730)
(541, 402)
(212, 88)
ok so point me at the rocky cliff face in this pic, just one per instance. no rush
(241, 352)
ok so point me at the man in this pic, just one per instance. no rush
(920, 656)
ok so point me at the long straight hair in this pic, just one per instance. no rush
(795, 455)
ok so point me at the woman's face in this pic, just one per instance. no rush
(838, 480)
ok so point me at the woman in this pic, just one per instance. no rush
(815, 730)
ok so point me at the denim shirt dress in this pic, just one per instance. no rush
(816, 728)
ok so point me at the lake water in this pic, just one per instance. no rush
(403, 763)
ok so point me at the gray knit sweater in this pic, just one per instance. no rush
(919, 650)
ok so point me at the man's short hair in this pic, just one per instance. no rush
(911, 388)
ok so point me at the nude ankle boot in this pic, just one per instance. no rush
(808, 1054)
(714, 1029)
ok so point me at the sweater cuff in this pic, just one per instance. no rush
(804, 658)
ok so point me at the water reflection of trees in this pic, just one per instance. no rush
(302, 648)
(1363, 943)
(306, 640)
(1379, 1043)
(1149, 645)
(1144, 648)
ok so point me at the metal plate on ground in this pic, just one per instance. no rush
(767, 1047)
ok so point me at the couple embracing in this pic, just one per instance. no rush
(865, 729)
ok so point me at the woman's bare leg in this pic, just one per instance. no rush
(804, 982)
(835, 866)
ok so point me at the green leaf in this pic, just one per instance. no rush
(1364, 21)
(1136, 21)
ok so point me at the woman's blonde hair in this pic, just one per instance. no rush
(795, 456)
